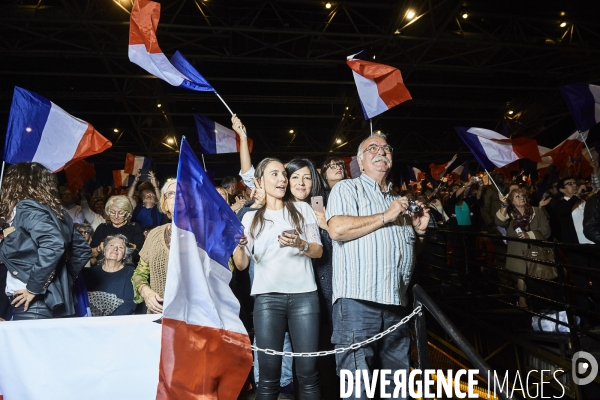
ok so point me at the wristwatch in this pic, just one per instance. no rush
(305, 247)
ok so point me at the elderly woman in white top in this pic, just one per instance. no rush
(282, 236)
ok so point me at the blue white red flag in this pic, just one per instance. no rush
(380, 87)
(214, 138)
(205, 348)
(438, 171)
(134, 163)
(583, 101)
(415, 174)
(570, 147)
(461, 172)
(145, 52)
(352, 167)
(122, 179)
(40, 131)
(491, 149)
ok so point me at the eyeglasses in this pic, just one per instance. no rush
(332, 165)
(374, 149)
(169, 195)
(119, 213)
(570, 183)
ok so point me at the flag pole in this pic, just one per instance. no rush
(2, 175)
(492, 180)
(231, 112)
(203, 163)
(371, 125)
(586, 146)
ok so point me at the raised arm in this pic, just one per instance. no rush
(131, 190)
(240, 129)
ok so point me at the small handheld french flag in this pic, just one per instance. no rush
(134, 163)
(380, 87)
(40, 131)
(215, 138)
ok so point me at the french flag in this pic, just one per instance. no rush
(40, 131)
(380, 87)
(461, 172)
(438, 171)
(145, 52)
(122, 179)
(352, 168)
(134, 163)
(570, 147)
(583, 101)
(215, 138)
(492, 149)
(205, 349)
(415, 174)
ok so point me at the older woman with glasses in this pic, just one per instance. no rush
(521, 221)
(333, 171)
(118, 209)
(151, 273)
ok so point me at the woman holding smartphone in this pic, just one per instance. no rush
(523, 221)
(284, 283)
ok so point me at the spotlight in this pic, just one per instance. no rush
(397, 32)
(378, 132)
(116, 130)
(28, 129)
(562, 13)
(410, 14)
(510, 112)
(159, 105)
(465, 16)
(291, 131)
(328, 6)
(170, 141)
(338, 141)
(563, 24)
(373, 57)
(346, 108)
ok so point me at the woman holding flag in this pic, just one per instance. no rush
(281, 237)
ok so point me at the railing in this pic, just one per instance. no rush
(423, 299)
(472, 265)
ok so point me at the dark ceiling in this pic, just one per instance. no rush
(281, 66)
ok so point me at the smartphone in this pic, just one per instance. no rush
(317, 204)
(144, 175)
(290, 232)
(519, 230)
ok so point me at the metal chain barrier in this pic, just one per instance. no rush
(353, 346)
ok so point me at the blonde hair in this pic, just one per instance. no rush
(121, 202)
(223, 192)
(162, 202)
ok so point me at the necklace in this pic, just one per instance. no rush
(168, 237)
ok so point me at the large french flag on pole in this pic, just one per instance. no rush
(40, 131)
(380, 87)
(492, 149)
(134, 163)
(215, 138)
(145, 52)
(205, 348)
(583, 101)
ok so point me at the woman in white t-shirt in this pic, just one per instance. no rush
(282, 237)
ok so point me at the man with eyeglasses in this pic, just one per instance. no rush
(375, 242)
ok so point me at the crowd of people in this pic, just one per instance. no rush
(329, 258)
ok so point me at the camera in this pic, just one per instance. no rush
(413, 207)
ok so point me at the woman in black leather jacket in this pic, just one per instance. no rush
(41, 251)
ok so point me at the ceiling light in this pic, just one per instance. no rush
(328, 6)
(563, 24)
(338, 141)
(511, 112)
(373, 57)
(291, 131)
(562, 13)
(465, 15)
(28, 129)
(159, 105)
(116, 130)
(378, 132)
(397, 32)
(410, 14)
(170, 141)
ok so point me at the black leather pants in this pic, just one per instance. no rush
(37, 310)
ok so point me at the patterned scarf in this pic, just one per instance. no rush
(522, 220)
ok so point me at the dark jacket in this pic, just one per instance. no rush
(564, 213)
(45, 253)
(591, 219)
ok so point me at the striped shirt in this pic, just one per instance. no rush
(376, 267)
